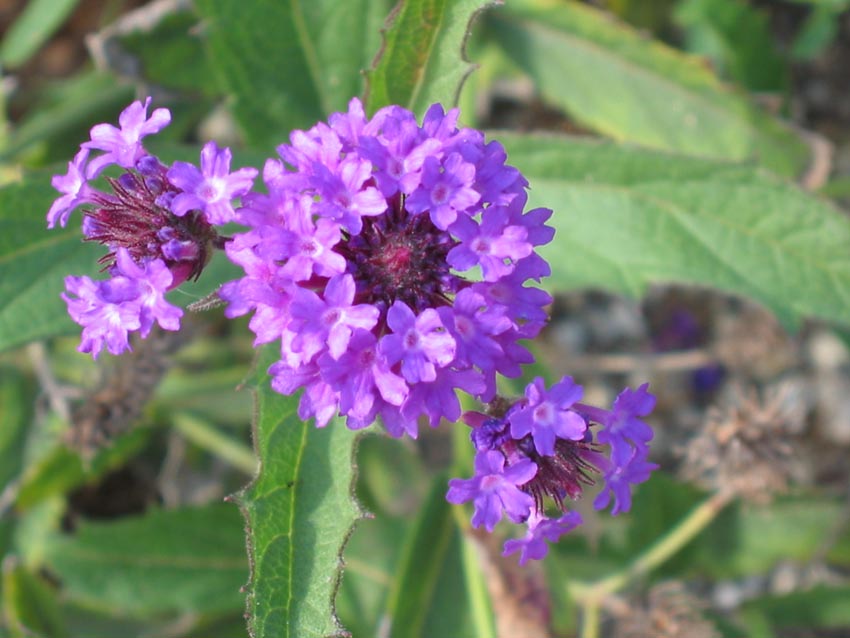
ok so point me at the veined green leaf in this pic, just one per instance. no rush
(422, 60)
(615, 81)
(626, 217)
(289, 64)
(185, 560)
(299, 511)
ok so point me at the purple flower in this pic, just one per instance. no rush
(385, 201)
(150, 249)
(123, 145)
(328, 323)
(74, 189)
(131, 300)
(346, 195)
(620, 478)
(359, 373)
(420, 343)
(535, 544)
(623, 430)
(445, 190)
(494, 245)
(546, 430)
(474, 325)
(494, 490)
(212, 188)
(547, 415)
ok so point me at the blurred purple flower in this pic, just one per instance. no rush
(622, 429)
(535, 544)
(495, 489)
(620, 478)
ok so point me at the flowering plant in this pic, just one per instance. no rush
(481, 372)
(388, 261)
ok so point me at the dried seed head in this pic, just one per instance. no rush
(670, 611)
(113, 408)
(745, 446)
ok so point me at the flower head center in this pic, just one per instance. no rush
(400, 257)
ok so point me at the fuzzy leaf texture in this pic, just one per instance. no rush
(627, 217)
(422, 59)
(614, 80)
(300, 512)
(288, 64)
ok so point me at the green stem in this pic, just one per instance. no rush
(204, 435)
(592, 596)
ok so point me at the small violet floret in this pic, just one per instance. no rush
(132, 299)
(123, 146)
(541, 531)
(212, 188)
(495, 489)
(74, 188)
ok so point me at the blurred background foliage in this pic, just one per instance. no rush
(696, 155)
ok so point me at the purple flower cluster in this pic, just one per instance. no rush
(156, 221)
(389, 260)
(541, 448)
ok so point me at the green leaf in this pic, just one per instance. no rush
(626, 217)
(422, 60)
(422, 562)
(615, 81)
(818, 607)
(300, 512)
(61, 469)
(818, 30)
(429, 595)
(185, 560)
(392, 479)
(751, 540)
(172, 56)
(33, 263)
(29, 604)
(17, 397)
(371, 557)
(39, 20)
(289, 64)
(736, 36)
